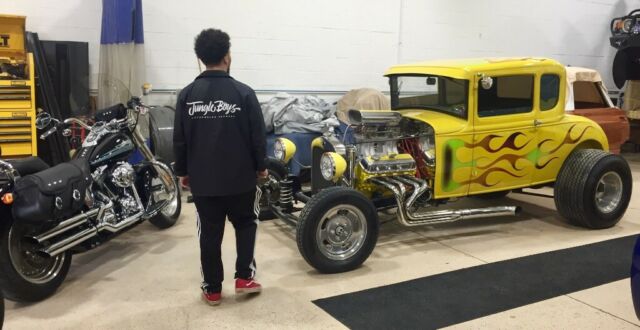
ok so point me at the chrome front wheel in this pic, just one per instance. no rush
(341, 232)
(165, 201)
(337, 230)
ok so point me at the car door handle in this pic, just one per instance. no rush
(536, 123)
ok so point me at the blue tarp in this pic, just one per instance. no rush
(122, 22)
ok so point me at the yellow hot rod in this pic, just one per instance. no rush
(480, 127)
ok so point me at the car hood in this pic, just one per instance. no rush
(441, 123)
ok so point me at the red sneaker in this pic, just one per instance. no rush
(212, 298)
(247, 286)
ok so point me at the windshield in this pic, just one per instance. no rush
(439, 93)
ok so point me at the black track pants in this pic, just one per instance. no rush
(242, 210)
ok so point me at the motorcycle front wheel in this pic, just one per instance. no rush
(169, 214)
(27, 275)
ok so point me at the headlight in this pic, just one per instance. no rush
(284, 149)
(332, 166)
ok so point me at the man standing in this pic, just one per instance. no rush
(219, 143)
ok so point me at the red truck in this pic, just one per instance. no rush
(587, 96)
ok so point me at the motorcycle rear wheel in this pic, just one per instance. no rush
(26, 275)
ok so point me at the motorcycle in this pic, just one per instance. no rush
(49, 214)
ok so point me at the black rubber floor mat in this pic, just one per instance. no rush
(458, 296)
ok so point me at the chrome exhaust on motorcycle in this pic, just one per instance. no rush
(69, 242)
(408, 217)
(65, 226)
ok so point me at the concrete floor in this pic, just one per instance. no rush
(148, 279)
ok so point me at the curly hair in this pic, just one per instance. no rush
(211, 45)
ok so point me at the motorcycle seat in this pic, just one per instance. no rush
(28, 165)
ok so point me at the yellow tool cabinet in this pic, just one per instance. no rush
(17, 91)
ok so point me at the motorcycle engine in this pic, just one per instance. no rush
(123, 176)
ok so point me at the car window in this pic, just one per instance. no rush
(508, 95)
(587, 95)
(438, 93)
(549, 91)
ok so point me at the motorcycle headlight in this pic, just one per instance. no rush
(284, 149)
(332, 166)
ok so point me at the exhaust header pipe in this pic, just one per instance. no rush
(411, 219)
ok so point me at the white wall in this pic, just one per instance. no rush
(336, 45)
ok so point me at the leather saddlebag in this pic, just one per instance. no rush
(53, 194)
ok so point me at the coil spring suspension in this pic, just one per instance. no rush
(286, 194)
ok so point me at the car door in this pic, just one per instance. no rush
(504, 131)
(556, 136)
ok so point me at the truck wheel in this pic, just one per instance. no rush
(25, 275)
(277, 171)
(593, 188)
(337, 230)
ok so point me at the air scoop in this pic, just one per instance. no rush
(374, 117)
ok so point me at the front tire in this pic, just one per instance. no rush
(25, 275)
(169, 215)
(337, 230)
(593, 189)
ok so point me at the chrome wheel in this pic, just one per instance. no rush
(608, 192)
(163, 197)
(341, 232)
(31, 265)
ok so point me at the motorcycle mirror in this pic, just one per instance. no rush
(43, 119)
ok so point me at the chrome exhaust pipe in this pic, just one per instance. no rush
(69, 242)
(408, 218)
(65, 226)
(114, 228)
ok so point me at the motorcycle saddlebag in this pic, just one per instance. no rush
(53, 194)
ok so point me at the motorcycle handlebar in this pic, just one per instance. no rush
(48, 133)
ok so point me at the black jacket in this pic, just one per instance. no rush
(219, 135)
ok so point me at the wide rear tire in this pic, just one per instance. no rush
(593, 189)
(337, 230)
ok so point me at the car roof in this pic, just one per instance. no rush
(466, 68)
(575, 73)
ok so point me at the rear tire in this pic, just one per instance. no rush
(337, 230)
(593, 189)
(25, 276)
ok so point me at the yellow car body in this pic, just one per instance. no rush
(455, 128)
(488, 154)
